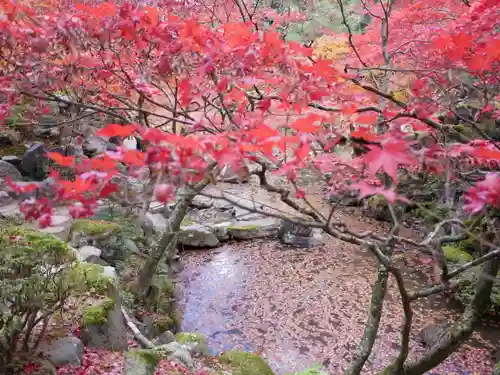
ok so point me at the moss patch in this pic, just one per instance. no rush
(98, 313)
(188, 337)
(90, 277)
(431, 213)
(455, 253)
(150, 357)
(187, 222)
(242, 227)
(94, 227)
(243, 363)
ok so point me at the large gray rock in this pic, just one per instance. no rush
(144, 361)
(34, 163)
(111, 335)
(250, 229)
(9, 170)
(65, 351)
(196, 235)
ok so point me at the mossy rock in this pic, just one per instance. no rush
(377, 208)
(95, 227)
(108, 236)
(242, 227)
(98, 314)
(457, 254)
(196, 341)
(142, 361)
(251, 229)
(470, 244)
(242, 363)
(431, 213)
(90, 277)
(149, 356)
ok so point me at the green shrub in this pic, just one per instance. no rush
(35, 281)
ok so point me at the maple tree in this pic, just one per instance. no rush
(212, 84)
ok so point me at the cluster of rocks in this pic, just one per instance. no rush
(105, 325)
(180, 348)
(211, 222)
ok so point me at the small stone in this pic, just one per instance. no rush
(65, 351)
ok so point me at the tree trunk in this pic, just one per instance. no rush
(372, 325)
(459, 332)
(168, 241)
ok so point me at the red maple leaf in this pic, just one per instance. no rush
(388, 156)
(116, 130)
(307, 124)
(63, 161)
